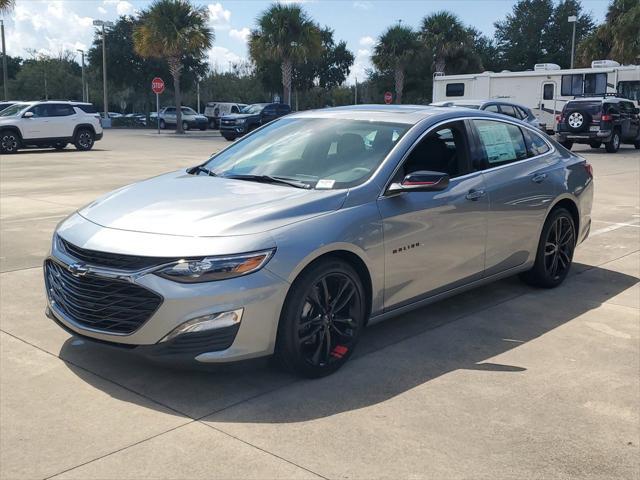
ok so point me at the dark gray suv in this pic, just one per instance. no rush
(597, 121)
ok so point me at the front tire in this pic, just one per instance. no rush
(9, 142)
(185, 126)
(595, 144)
(555, 251)
(322, 319)
(163, 125)
(84, 140)
(614, 144)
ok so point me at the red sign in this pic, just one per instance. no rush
(157, 85)
(388, 97)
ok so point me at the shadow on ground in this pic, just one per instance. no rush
(467, 331)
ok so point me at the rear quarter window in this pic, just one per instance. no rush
(87, 108)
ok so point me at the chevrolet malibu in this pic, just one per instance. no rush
(291, 240)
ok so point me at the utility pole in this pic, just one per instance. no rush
(84, 96)
(355, 96)
(198, 92)
(573, 19)
(5, 75)
(103, 24)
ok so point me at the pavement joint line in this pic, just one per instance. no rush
(21, 269)
(32, 219)
(265, 451)
(613, 226)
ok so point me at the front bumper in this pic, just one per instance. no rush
(233, 131)
(260, 295)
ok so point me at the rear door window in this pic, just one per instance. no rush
(501, 143)
(61, 110)
(535, 143)
(492, 108)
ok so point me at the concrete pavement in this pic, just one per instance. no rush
(501, 382)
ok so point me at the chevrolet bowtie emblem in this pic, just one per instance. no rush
(78, 269)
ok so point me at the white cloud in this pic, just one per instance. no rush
(367, 41)
(241, 35)
(124, 8)
(219, 16)
(362, 5)
(361, 64)
(47, 27)
(102, 10)
(221, 58)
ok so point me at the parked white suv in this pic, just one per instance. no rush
(47, 124)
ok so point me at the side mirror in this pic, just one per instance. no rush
(421, 181)
(27, 115)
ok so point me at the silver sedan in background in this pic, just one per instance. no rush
(291, 240)
(494, 105)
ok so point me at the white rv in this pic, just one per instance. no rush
(545, 89)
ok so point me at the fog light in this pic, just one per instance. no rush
(206, 322)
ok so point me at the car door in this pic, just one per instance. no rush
(517, 171)
(435, 241)
(169, 116)
(62, 120)
(269, 113)
(37, 126)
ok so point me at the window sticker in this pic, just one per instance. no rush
(325, 184)
(497, 142)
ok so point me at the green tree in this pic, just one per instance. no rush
(44, 77)
(395, 50)
(173, 30)
(451, 44)
(618, 38)
(286, 35)
(521, 37)
(559, 32)
(6, 5)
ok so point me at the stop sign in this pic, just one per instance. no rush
(388, 97)
(157, 85)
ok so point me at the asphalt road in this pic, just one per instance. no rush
(504, 381)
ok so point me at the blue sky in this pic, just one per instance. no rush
(50, 26)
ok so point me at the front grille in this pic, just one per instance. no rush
(114, 306)
(112, 260)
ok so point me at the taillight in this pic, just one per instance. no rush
(558, 118)
(589, 169)
(606, 118)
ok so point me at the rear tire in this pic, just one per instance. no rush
(185, 126)
(614, 144)
(321, 320)
(595, 144)
(163, 125)
(555, 251)
(637, 144)
(567, 144)
(84, 140)
(9, 142)
(229, 139)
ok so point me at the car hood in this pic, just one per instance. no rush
(178, 203)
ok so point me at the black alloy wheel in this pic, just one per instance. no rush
(322, 319)
(9, 142)
(555, 251)
(84, 140)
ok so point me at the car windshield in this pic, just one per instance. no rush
(320, 152)
(13, 110)
(256, 108)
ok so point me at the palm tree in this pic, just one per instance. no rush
(173, 30)
(395, 49)
(287, 35)
(7, 5)
(447, 38)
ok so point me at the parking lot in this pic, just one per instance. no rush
(505, 381)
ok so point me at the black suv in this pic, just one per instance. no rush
(596, 121)
(251, 117)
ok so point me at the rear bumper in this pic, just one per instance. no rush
(585, 137)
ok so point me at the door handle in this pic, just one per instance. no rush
(475, 195)
(539, 177)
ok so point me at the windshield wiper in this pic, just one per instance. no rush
(201, 169)
(270, 179)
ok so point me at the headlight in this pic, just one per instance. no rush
(215, 268)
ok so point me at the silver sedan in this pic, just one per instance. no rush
(291, 240)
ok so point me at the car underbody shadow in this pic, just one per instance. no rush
(464, 332)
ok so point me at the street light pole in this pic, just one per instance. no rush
(103, 24)
(573, 19)
(198, 90)
(5, 76)
(84, 96)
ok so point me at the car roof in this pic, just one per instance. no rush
(408, 114)
(601, 99)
